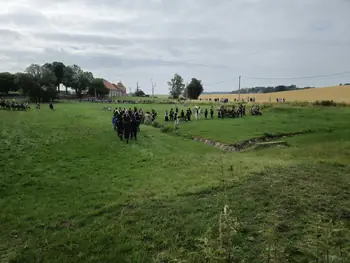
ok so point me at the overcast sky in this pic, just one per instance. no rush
(212, 40)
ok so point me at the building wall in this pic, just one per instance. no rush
(112, 93)
(115, 93)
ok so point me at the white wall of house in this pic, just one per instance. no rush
(115, 93)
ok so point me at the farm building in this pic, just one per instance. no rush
(121, 88)
(115, 90)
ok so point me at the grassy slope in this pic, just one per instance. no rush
(71, 192)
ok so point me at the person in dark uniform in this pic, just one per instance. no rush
(138, 121)
(51, 106)
(133, 127)
(120, 125)
(126, 127)
(166, 116)
(188, 115)
(206, 114)
(211, 112)
(182, 114)
(114, 122)
(171, 114)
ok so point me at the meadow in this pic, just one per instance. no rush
(70, 191)
(339, 94)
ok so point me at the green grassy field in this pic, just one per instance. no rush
(70, 191)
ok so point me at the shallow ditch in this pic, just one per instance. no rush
(265, 141)
(259, 142)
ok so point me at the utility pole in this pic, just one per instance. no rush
(239, 88)
(186, 91)
(153, 87)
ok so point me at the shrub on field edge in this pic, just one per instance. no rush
(157, 125)
(167, 129)
(325, 103)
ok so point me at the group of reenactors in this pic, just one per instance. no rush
(222, 112)
(14, 105)
(239, 112)
(231, 112)
(186, 115)
(126, 122)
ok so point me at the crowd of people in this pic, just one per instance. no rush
(14, 105)
(126, 122)
(222, 112)
(126, 101)
(186, 115)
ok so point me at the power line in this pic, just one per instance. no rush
(305, 77)
(220, 82)
(153, 87)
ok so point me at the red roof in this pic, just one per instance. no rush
(120, 87)
(109, 85)
(115, 86)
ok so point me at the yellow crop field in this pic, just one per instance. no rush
(335, 93)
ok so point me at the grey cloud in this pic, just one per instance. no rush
(8, 37)
(12, 34)
(24, 18)
(82, 38)
(173, 45)
(93, 61)
(210, 40)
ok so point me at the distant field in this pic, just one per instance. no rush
(336, 93)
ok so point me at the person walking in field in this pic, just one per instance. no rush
(127, 130)
(177, 121)
(182, 114)
(114, 122)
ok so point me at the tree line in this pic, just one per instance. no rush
(42, 82)
(269, 89)
(178, 88)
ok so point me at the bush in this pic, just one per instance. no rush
(157, 125)
(167, 129)
(325, 103)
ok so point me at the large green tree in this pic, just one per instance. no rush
(176, 86)
(77, 79)
(194, 89)
(27, 84)
(83, 80)
(58, 69)
(68, 77)
(97, 87)
(45, 79)
(7, 83)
